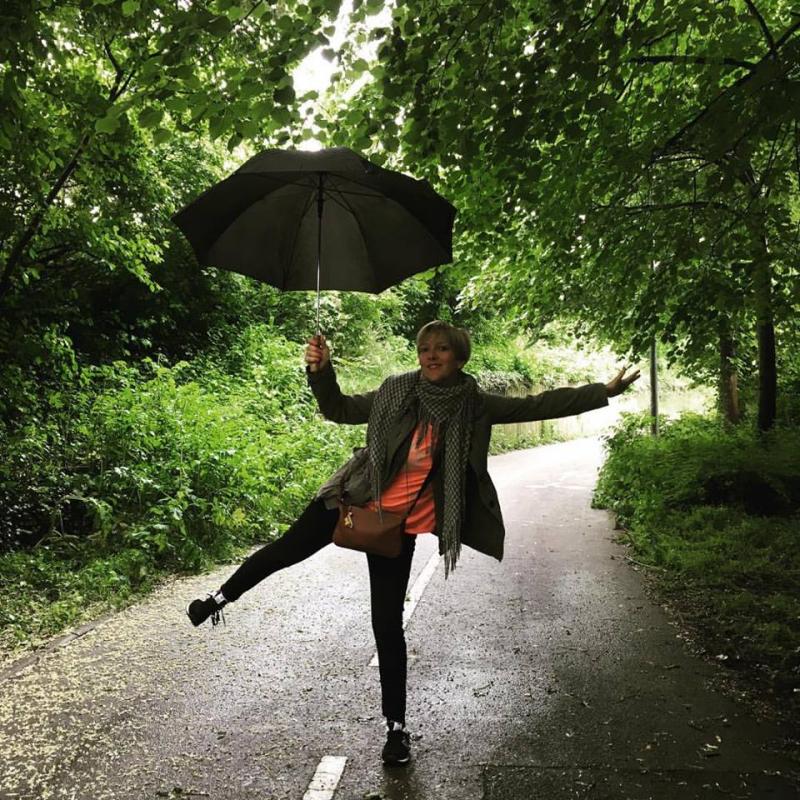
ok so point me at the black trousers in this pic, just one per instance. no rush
(388, 581)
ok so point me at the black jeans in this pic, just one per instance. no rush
(388, 581)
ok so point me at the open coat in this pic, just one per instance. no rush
(482, 525)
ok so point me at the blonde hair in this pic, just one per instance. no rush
(457, 338)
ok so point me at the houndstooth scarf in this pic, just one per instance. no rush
(450, 410)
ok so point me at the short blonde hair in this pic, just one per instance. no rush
(457, 338)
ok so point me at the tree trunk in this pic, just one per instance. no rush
(654, 387)
(765, 330)
(728, 379)
(762, 296)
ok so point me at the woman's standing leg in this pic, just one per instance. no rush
(310, 532)
(388, 580)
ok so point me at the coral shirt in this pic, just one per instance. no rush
(400, 493)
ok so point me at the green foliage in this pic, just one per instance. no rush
(719, 510)
(152, 469)
(90, 91)
(629, 168)
(697, 462)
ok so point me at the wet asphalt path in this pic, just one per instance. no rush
(550, 675)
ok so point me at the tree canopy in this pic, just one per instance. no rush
(631, 165)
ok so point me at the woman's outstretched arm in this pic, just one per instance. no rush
(556, 402)
(333, 403)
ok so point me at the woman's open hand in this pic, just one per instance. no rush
(620, 382)
(318, 354)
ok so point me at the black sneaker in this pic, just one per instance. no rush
(396, 751)
(200, 610)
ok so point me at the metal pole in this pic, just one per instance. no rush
(654, 341)
(320, 201)
(653, 388)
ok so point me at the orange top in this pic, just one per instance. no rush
(400, 493)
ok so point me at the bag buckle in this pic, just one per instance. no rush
(348, 518)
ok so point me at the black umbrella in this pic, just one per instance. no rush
(270, 218)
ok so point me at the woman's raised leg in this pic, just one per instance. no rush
(310, 532)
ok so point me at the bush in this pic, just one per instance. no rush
(152, 469)
(717, 509)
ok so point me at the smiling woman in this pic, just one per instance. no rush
(428, 434)
(442, 351)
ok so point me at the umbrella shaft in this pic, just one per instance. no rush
(320, 202)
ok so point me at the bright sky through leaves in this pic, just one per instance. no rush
(314, 71)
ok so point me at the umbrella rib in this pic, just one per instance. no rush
(288, 261)
(341, 200)
(304, 184)
(355, 194)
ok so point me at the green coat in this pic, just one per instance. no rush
(482, 526)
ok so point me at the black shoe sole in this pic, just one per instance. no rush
(400, 763)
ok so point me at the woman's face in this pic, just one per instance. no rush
(437, 360)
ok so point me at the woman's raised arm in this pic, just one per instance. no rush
(333, 403)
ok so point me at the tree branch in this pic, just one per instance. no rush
(659, 38)
(117, 68)
(679, 59)
(647, 207)
(675, 139)
(33, 226)
(587, 23)
(764, 28)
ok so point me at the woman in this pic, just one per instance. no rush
(427, 445)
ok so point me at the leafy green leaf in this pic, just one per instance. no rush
(107, 124)
(161, 135)
(177, 104)
(217, 126)
(219, 26)
(150, 117)
(284, 96)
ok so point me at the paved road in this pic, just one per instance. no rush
(550, 675)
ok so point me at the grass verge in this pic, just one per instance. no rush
(717, 512)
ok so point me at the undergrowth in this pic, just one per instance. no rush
(156, 470)
(717, 510)
(133, 471)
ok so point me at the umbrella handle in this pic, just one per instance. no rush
(319, 341)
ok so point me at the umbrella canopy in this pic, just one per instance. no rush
(283, 211)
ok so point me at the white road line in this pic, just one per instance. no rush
(326, 778)
(423, 579)
(573, 486)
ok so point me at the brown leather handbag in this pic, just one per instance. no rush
(363, 529)
(379, 533)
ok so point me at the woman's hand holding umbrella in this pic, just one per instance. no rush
(318, 354)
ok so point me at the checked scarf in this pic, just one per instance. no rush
(451, 411)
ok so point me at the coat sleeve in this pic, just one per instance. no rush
(333, 403)
(547, 405)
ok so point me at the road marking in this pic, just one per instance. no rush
(572, 486)
(423, 579)
(326, 778)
